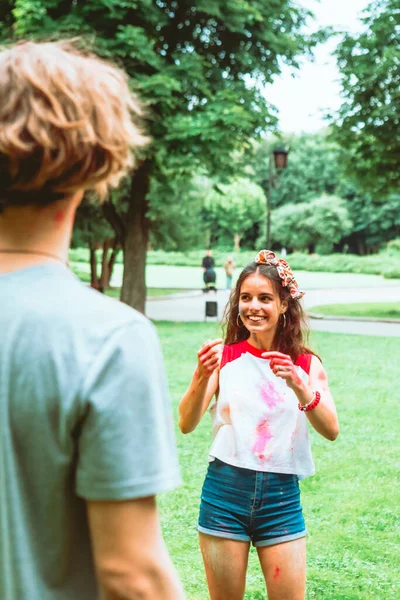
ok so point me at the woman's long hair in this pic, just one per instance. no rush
(292, 333)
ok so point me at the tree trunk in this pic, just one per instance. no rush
(94, 280)
(236, 242)
(115, 249)
(133, 290)
(105, 274)
(360, 247)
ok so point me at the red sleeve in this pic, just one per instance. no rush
(231, 352)
(304, 361)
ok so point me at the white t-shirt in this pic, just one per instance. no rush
(256, 421)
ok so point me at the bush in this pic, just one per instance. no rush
(320, 223)
(374, 264)
(392, 273)
(393, 247)
(386, 263)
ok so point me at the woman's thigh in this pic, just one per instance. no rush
(284, 569)
(225, 563)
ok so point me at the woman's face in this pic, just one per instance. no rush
(260, 307)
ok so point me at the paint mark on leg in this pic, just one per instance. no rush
(277, 572)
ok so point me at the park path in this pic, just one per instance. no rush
(191, 307)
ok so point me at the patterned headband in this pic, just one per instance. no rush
(266, 257)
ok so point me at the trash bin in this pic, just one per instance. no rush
(211, 309)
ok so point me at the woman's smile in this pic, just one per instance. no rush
(260, 308)
(256, 318)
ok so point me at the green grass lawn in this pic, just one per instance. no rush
(387, 310)
(351, 505)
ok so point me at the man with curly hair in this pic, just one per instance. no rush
(86, 438)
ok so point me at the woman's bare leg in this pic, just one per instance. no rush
(225, 563)
(284, 569)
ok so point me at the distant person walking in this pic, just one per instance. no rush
(86, 438)
(268, 386)
(209, 274)
(229, 267)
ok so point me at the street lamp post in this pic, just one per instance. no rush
(277, 162)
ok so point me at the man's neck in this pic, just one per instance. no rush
(36, 235)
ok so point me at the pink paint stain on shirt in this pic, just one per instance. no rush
(263, 436)
(269, 394)
(294, 435)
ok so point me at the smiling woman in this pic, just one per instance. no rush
(267, 386)
(260, 308)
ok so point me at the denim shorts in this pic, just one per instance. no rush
(245, 505)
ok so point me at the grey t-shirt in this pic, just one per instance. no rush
(84, 414)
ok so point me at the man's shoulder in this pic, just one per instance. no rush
(94, 311)
(66, 304)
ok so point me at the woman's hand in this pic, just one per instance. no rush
(209, 357)
(282, 366)
(203, 387)
(323, 418)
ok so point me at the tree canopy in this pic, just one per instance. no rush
(235, 208)
(368, 122)
(200, 67)
(314, 226)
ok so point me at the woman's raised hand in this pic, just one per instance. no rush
(209, 357)
(282, 366)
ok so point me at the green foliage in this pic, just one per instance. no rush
(90, 226)
(385, 263)
(393, 247)
(234, 208)
(370, 114)
(311, 170)
(391, 272)
(190, 62)
(378, 264)
(175, 215)
(314, 225)
(374, 221)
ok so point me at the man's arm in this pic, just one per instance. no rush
(131, 559)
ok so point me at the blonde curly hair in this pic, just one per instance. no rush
(68, 121)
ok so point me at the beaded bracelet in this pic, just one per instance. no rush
(312, 404)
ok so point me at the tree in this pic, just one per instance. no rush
(374, 223)
(92, 229)
(311, 169)
(368, 121)
(182, 228)
(314, 226)
(315, 168)
(200, 66)
(235, 208)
